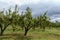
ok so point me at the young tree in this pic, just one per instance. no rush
(26, 20)
(43, 21)
(4, 22)
(34, 23)
(14, 18)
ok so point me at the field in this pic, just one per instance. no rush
(37, 34)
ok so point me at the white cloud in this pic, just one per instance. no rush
(56, 19)
(20, 2)
(55, 3)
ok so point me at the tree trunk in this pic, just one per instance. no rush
(13, 27)
(26, 30)
(1, 33)
(43, 28)
(2, 30)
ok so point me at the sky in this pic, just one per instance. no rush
(37, 6)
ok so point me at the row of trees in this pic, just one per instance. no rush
(24, 20)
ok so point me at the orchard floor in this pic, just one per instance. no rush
(49, 34)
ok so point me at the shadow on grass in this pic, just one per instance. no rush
(57, 35)
(15, 37)
(22, 38)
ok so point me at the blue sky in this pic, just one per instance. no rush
(37, 6)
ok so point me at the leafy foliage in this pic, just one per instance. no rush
(25, 20)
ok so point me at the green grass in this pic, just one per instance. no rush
(49, 34)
